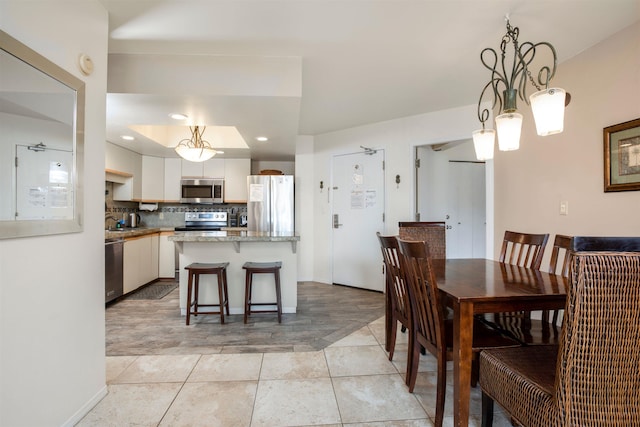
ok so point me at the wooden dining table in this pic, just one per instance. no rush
(477, 286)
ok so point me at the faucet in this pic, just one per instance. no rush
(107, 218)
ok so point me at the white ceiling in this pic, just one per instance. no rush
(283, 68)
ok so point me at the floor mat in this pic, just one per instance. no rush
(153, 291)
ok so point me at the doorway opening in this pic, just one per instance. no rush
(452, 186)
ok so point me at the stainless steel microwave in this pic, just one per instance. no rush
(201, 190)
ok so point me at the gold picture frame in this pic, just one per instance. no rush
(622, 156)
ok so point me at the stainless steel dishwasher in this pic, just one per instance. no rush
(113, 253)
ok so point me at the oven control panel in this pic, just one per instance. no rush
(218, 217)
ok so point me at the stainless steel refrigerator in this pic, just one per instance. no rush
(270, 205)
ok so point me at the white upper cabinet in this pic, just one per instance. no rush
(152, 179)
(156, 179)
(191, 169)
(127, 167)
(213, 168)
(235, 180)
(172, 175)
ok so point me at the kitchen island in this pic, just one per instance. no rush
(238, 247)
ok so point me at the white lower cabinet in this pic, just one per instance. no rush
(166, 256)
(140, 264)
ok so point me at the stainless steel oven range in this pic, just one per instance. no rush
(203, 221)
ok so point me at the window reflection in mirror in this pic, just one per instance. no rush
(41, 140)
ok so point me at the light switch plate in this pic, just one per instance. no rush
(564, 207)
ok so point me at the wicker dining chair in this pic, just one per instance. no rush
(429, 329)
(432, 232)
(396, 290)
(592, 377)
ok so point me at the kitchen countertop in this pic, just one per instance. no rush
(235, 237)
(132, 232)
(232, 236)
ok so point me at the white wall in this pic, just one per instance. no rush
(398, 138)
(52, 351)
(305, 188)
(604, 83)
(287, 168)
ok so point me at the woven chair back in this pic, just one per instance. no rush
(431, 232)
(598, 374)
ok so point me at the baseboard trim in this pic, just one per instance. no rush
(86, 408)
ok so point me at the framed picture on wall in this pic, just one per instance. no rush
(622, 157)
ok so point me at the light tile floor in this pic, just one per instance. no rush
(350, 383)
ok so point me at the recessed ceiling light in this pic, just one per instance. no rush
(262, 138)
(127, 137)
(178, 116)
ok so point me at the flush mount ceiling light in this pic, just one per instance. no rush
(195, 149)
(127, 137)
(262, 138)
(508, 82)
(178, 116)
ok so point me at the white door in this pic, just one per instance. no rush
(44, 183)
(466, 213)
(358, 213)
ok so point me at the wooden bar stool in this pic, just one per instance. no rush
(258, 268)
(195, 270)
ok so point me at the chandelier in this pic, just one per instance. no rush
(508, 83)
(195, 149)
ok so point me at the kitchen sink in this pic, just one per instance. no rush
(112, 230)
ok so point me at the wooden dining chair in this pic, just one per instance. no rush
(591, 378)
(560, 256)
(429, 329)
(522, 250)
(396, 290)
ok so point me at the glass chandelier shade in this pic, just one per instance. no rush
(508, 83)
(195, 149)
(548, 110)
(509, 127)
(483, 142)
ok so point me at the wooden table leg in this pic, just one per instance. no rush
(462, 343)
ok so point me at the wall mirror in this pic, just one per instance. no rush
(41, 144)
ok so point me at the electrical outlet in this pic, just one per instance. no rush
(161, 215)
(564, 207)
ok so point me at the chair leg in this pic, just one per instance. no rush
(441, 389)
(413, 370)
(189, 284)
(278, 295)
(196, 286)
(226, 291)
(391, 344)
(407, 374)
(247, 295)
(221, 296)
(487, 410)
(475, 370)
